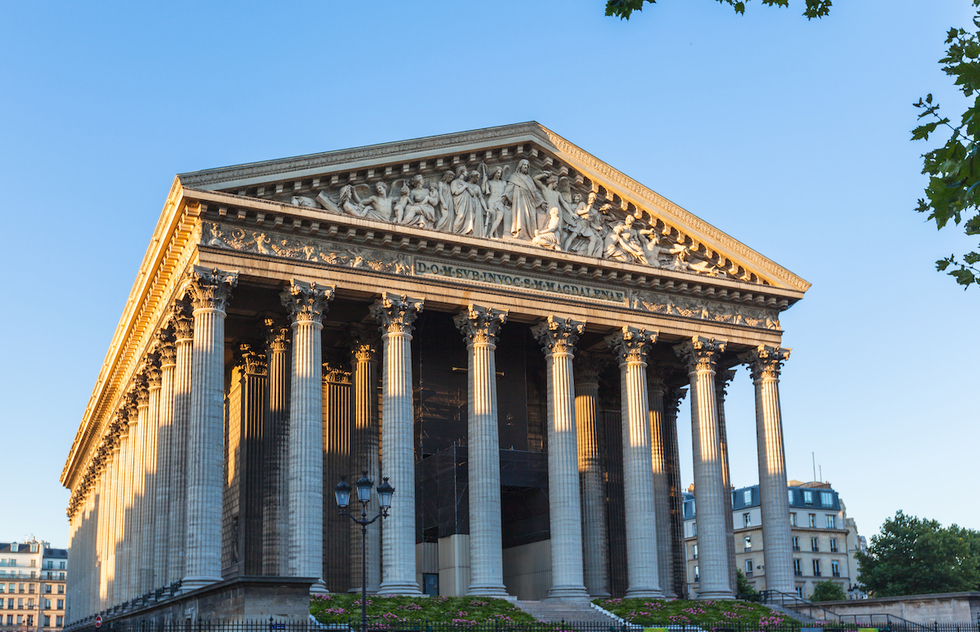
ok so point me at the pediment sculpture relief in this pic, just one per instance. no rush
(512, 201)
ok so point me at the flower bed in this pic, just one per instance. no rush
(705, 614)
(395, 611)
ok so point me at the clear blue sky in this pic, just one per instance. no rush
(792, 136)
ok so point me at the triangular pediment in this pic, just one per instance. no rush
(500, 184)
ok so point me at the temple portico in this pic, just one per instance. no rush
(517, 387)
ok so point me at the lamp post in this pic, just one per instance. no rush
(364, 484)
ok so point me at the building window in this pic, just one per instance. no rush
(797, 567)
(746, 520)
(59, 621)
(61, 604)
(30, 620)
(694, 529)
(807, 497)
(20, 619)
(748, 568)
(10, 619)
(695, 550)
(831, 522)
(47, 604)
(20, 603)
(20, 588)
(826, 499)
(813, 520)
(814, 544)
(816, 568)
(47, 621)
(30, 603)
(833, 545)
(30, 588)
(835, 568)
(2, 586)
(747, 497)
(796, 543)
(799, 592)
(61, 589)
(47, 588)
(10, 604)
(34, 563)
(792, 519)
(61, 576)
(62, 566)
(697, 575)
(748, 543)
(790, 496)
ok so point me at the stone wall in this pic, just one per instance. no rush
(962, 608)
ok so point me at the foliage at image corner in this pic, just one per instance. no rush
(395, 611)
(954, 168)
(828, 590)
(705, 614)
(623, 9)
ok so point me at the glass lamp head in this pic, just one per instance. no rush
(364, 485)
(385, 490)
(342, 492)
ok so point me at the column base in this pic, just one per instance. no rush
(410, 589)
(487, 590)
(193, 583)
(644, 593)
(318, 588)
(602, 594)
(567, 593)
(714, 594)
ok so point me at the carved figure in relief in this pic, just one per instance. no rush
(550, 236)
(583, 231)
(478, 203)
(524, 199)
(622, 243)
(445, 221)
(302, 200)
(652, 248)
(377, 206)
(552, 196)
(417, 208)
(497, 211)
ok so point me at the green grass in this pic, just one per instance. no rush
(392, 610)
(708, 614)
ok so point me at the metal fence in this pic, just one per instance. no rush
(380, 624)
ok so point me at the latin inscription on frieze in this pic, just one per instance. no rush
(522, 282)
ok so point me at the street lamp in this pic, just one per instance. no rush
(342, 492)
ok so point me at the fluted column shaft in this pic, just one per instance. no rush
(661, 492)
(115, 493)
(102, 553)
(672, 401)
(306, 304)
(275, 535)
(210, 291)
(125, 560)
(148, 579)
(165, 418)
(722, 379)
(397, 315)
(183, 367)
(710, 495)
(558, 337)
(480, 326)
(630, 346)
(593, 489)
(365, 454)
(765, 364)
(138, 533)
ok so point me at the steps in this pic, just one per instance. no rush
(567, 611)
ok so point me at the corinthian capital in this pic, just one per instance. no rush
(153, 373)
(276, 334)
(306, 302)
(700, 354)
(363, 342)
(181, 321)
(251, 360)
(211, 289)
(588, 365)
(165, 347)
(765, 362)
(558, 335)
(630, 344)
(396, 312)
(480, 325)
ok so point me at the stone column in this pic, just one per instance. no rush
(397, 314)
(127, 561)
(253, 385)
(183, 326)
(306, 304)
(165, 417)
(630, 345)
(765, 364)
(110, 576)
(480, 325)
(722, 379)
(136, 536)
(102, 552)
(364, 344)
(661, 490)
(154, 379)
(210, 291)
(275, 542)
(673, 395)
(593, 487)
(558, 337)
(710, 495)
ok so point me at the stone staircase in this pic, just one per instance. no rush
(570, 612)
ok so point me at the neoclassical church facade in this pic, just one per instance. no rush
(498, 323)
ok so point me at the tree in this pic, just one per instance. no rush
(828, 590)
(743, 586)
(912, 557)
(954, 168)
(624, 8)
